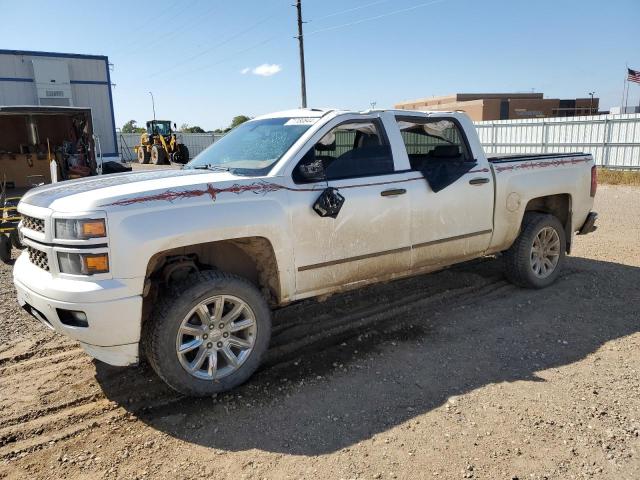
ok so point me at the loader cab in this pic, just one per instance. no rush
(159, 127)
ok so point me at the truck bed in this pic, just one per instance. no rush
(532, 156)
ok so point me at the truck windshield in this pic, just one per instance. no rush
(253, 147)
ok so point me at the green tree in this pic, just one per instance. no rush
(131, 127)
(237, 120)
(185, 128)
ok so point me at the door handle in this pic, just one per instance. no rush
(478, 181)
(393, 191)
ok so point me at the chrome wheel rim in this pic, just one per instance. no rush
(216, 337)
(545, 252)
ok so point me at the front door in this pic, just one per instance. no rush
(369, 237)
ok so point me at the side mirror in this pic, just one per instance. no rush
(175, 127)
(310, 169)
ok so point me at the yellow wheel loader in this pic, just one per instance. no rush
(159, 145)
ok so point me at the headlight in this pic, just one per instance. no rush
(83, 263)
(80, 229)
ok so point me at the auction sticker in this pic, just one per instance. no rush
(302, 121)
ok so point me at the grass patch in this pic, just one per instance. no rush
(618, 177)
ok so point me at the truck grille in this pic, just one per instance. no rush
(38, 258)
(35, 224)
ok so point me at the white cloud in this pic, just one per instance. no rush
(266, 69)
(244, 71)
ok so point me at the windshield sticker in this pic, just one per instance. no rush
(302, 121)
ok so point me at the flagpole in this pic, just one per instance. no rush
(626, 81)
(624, 86)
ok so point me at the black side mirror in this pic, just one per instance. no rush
(175, 127)
(310, 169)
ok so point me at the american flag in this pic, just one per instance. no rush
(633, 75)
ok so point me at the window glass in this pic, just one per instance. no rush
(352, 149)
(433, 141)
(253, 147)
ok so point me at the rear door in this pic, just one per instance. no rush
(369, 237)
(452, 209)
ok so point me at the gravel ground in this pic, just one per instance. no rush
(457, 374)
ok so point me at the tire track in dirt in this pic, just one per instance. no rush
(66, 355)
(299, 331)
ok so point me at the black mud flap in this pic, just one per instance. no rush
(328, 203)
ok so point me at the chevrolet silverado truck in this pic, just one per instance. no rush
(185, 266)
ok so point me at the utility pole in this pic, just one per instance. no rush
(153, 105)
(303, 82)
(591, 103)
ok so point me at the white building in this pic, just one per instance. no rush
(61, 79)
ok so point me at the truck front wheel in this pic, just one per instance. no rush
(208, 334)
(536, 257)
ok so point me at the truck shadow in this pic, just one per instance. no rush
(341, 371)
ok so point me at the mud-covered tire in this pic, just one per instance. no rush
(15, 239)
(181, 155)
(143, 155)
(160, 332)
(519, 258)
(5, 248)
(158, 155)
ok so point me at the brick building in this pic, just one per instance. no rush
(504, 106)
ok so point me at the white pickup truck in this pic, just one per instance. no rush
(186, 265)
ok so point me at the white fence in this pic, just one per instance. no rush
(613, 140)
(195, 142)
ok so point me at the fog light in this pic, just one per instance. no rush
(72, 318)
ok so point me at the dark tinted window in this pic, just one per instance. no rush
(352, 149)
(432, 142)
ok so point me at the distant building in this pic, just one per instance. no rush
(505, 106)
(619, 110)
(61, 79)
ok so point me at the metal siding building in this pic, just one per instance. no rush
(62, 79)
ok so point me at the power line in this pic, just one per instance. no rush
(148, 24)
(217, 45)
(377, 17)
(335, 27)
(353, 9)
(232, 56)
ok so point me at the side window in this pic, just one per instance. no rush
(352, 149)
(431, 142)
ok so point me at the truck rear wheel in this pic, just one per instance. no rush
(536, 257)
(208, 334)
(143, 155)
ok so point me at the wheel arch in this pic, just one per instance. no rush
(558, 205)
(252, 258)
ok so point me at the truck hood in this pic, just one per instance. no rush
(95, 192)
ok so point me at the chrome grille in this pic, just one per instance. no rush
(35, 224)
(38, 258)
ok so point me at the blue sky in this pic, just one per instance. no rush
(206, 61)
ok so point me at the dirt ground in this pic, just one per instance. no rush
(456, 374)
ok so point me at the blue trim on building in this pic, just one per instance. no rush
(52, 54)
(113, 116)
(88, 82)
(15, 79)
(73, 82)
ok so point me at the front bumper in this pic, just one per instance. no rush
(113, 330)
(589, 224)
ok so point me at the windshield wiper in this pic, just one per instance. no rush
(209, 166)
